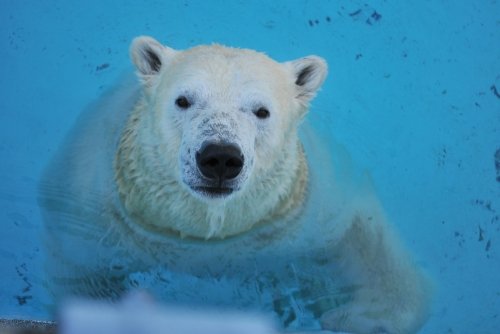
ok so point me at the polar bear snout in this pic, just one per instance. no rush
(219, 162)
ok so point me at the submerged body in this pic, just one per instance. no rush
(291, 228)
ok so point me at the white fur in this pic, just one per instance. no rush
(301, 232)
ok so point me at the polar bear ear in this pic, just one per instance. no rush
(148, 56)
(309, 74)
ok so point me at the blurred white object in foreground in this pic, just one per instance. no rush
(138, 314)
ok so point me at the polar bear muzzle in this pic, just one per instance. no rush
(219, 164)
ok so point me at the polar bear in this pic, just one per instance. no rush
(204, 184)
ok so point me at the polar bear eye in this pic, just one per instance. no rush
(182, 102)
(262, 113)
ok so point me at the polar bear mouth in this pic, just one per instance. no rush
(214, 192)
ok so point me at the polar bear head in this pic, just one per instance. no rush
(217, 133)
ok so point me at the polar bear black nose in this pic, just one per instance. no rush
(219, 161)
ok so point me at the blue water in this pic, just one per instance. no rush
(413, 93)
